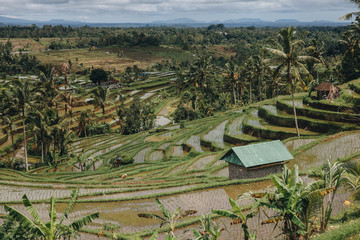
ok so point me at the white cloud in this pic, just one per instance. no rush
(148, 10)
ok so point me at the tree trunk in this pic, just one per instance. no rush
(292, 98)
(250, 92)
(12, 139)
(260, 87)
(103, 112)
(25, 147)
(42, 151)
(234, 92)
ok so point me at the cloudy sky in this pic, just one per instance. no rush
(117, 11)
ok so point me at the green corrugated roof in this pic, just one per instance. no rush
(258, 154)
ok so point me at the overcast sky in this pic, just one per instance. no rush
(116, 11)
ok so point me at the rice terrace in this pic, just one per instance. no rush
(117, 133)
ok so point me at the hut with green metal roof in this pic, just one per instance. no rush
(256, 160)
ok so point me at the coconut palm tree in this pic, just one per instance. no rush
(23, 96)
(41, 129)
(100, 96)
(7, 111)
(53, 229)
(260, 70)
(289, 59)
(200, 76)
(349, 16)
(84, 120)
(232, 72)
(46, 85)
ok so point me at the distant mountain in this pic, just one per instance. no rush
(23, 22)
(177, 22)
(12, 21)
(287, 21)
(244, 20)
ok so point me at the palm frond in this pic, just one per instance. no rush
(349, 16)
(276, 52)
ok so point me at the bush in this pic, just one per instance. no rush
(119, 161)
(98, 75)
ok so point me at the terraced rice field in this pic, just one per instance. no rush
(179, 166)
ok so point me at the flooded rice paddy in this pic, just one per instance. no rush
(235, 127)
(217, 135)
(194, 141)
(201, 163)
(296, 143)
(331, 149)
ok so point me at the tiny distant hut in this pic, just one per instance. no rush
(256, 160)
(326, 90)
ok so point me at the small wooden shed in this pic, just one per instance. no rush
(256, 160)
(326, 90)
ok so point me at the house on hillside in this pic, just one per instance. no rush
(326, 90)
(256, 160)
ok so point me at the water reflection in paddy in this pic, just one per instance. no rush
(331, 149)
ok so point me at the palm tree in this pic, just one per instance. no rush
(7, 112)
(100, 95)
(289, 59)
(46, 85)
(232, 72)
(121, 113)
(260, 70)
(200, 75)
(84, 120)
(40, 128)
(51, 230)
(239, 217)
(350, 15)
(167, 217)
(23, 95)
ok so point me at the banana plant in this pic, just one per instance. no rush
(209, 230)
(168, 217)
(51, 230)
(239, 217)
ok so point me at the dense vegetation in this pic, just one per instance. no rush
(215, 87)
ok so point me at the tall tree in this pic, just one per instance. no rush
(232, 71)
(7, 111)
(41, 129)
(47, 86)
(201, 75)
(84, 120)
(289, 58)
(23, 96)
(100, 96)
